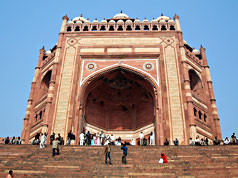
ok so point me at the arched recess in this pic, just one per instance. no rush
(45, 83)
(195, 82)
(126, 98)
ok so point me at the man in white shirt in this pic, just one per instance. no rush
(133, 142)
(81, 137)
(141, 136)
(42, 140)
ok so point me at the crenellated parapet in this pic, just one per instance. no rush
(120, 22)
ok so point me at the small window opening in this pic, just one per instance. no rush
(77, 29)
(155, 27)
(163, 27)
(195, 111)
(36, 117)
(44, 57)
(199, 114)
(103, 28)
(111, 28)
(172, 27)
(205, 118)
(124, 108)
(94, 28)
(137, 27)
(128, 28)
(69, 29)
(85, 28)
(146, 27)
(40, 115)
(120, 28)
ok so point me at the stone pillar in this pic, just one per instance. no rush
(188, 93)
(187, 89)
(159, 129)
(77, 124)
(211, 94)
(47, 124)
(25, 136)
(176, 19)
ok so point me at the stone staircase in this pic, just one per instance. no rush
(88, 162)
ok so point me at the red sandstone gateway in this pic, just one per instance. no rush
(122, 76)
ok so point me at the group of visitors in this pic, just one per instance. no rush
(13, 140)
(108, 149)
(228, 141)
(98, 139)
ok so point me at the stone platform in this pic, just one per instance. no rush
(88, 162)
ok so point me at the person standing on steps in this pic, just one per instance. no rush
(152, 138)
(69, 137)
(141, 136)
(42, 140)
(125, 149)
(55, 146)
(81, 137)
(108, 154)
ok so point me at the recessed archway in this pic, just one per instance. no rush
(119, 100)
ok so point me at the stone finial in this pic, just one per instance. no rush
(162, 14)
(202, 48)
(121, 11)
(176, 16)
(104, 18)
(42, 49)
(65, 17)
(81, 15)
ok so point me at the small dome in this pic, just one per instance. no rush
(162, 21)
(128, 22)
(104, 21)
(78, 22)
(195, 51)
(48, 52)
(137, 21)
(171, 22)
(154, 21)
(79, 18)
(87, 21)
(121, 16)
(70, 22)
(95, 21)
(120, 22)
(112, 21)
(145, 21)
(163, 18)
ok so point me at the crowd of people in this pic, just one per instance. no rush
(100, 139)
(12, 140)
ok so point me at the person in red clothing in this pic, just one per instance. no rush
(163, 159)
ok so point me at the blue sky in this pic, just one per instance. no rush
(28, 25)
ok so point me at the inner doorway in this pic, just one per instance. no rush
(119, 101)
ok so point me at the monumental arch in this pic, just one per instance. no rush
(122, 76)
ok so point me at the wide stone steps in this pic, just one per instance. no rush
(74, 161)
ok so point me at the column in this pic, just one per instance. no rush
(47, 124)
(25, 136)
(211, 93)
